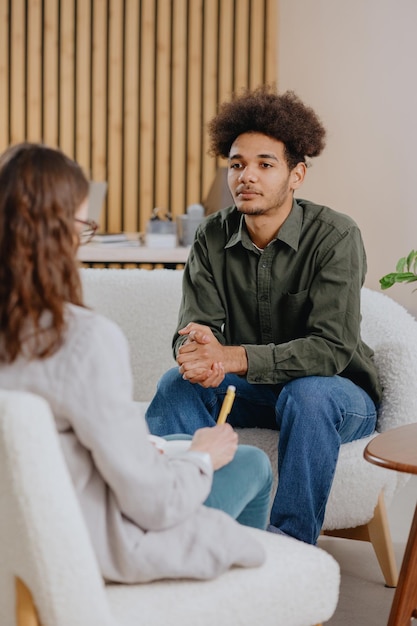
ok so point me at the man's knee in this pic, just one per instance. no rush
(308, 397)
(171, 378)
(308, 389)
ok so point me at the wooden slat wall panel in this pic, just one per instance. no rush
(66, 87)
(34, 70)
(99, 130)
(210, 89)
(225, 57)
(4, 75)
(178, 173)
(51, 76)
(162, 104)
(130, 173)
(271, 30)
(240, 51)
(194, 102)
(115, 115)
(147, 108)
(256, 46)
(83, 84)
(127, 88)
(17, 70)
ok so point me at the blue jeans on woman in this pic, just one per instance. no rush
(242, 488)
(314, 415)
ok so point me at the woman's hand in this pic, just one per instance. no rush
(219, 441)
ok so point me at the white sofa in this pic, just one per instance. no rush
(145, 304)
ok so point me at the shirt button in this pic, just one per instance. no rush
(264, 298)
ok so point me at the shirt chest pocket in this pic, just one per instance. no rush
(293, 312)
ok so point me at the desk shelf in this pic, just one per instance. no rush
(104, 254)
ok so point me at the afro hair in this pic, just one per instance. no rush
(283, 117)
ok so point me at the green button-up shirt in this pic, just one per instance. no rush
(294, 307)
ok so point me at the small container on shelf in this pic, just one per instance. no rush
(161, 233)
(187, 224)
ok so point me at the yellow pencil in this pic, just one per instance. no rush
(227, 404)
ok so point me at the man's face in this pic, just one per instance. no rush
(258, 176)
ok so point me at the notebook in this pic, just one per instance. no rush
(96, 197)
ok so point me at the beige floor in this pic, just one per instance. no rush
(364, 600)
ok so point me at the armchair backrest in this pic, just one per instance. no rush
(145, 305)
(43, 538)
(391, 331)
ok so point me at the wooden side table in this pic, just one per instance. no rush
(397, 449)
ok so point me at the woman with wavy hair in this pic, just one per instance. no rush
(149, 515)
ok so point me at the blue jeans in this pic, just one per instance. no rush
(242, 488)
(314, 415)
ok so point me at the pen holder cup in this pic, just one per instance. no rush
(186, 227)
(161, 234)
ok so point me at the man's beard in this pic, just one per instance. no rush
(276, 202)
(252, 211)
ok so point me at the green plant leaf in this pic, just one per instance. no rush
(387, 281)
(406, 271)
(413, 267)
(406, 277)
(401, 265)
(411, 260)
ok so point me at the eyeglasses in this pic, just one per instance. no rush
(89, 230)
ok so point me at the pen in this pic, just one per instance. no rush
(227, 404)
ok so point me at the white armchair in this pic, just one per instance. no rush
(145, 304)
(48, 569)
(356, 508)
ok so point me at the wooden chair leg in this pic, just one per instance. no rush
(378, 533)
(380, 537)
(26, 613)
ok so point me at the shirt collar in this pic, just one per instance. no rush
(289, 232)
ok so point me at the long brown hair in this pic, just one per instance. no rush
(40, 192)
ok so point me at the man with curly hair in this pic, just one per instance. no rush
(271, 305)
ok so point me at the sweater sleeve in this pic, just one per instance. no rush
(152, 489)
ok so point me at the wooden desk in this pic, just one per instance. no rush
(105, 254)
(397, 449)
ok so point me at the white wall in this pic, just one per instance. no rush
(355, 63)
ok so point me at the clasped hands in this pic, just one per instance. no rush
(203, 359)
